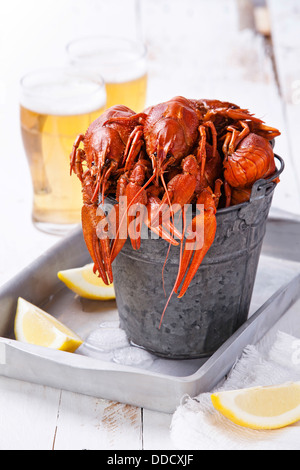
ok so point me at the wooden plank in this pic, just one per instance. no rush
(183, 51)
(246, 14)
(28, 415)
(93, 424)
(285, 18)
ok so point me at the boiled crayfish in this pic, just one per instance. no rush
(179, 152)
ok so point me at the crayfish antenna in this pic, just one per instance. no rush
(133, 147)
(173, 290)
(139, 118)
(168, 252)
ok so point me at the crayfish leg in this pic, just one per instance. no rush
(210, 226)
(201, 153)
(73, 156)
(98, 248)
(201, 234)
(228, 193)
(133, 147)
(184, 263)
(76, 165)
(234, 137)
(136, 213)
(237, 114)
(119, 228)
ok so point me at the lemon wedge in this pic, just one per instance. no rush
(86, 284)
(34, 326)
(261, 407)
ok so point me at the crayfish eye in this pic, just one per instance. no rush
(155, 154)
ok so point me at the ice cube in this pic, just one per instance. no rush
(107, 339)
(133, 356)
(110, 324)
(90, 351)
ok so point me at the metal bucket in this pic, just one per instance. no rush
(217, 301)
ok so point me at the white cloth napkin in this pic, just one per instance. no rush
(196, 425)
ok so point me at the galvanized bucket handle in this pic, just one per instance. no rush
(262, 186)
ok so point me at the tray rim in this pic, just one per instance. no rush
(110, 365)
(75, 361)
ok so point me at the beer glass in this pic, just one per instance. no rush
(56, 105)
(121, 62)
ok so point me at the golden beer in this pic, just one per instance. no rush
(130, 93)
(48, 141)
(121, 62)
(52, 115)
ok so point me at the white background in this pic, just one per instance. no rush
(198, 49)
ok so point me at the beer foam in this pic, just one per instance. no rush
(115, 59)
(71, 97)
(113, 73)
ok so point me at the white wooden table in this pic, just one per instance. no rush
(198, 49)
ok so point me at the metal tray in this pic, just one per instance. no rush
(161, 386)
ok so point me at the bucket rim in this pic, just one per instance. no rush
(260, 186)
